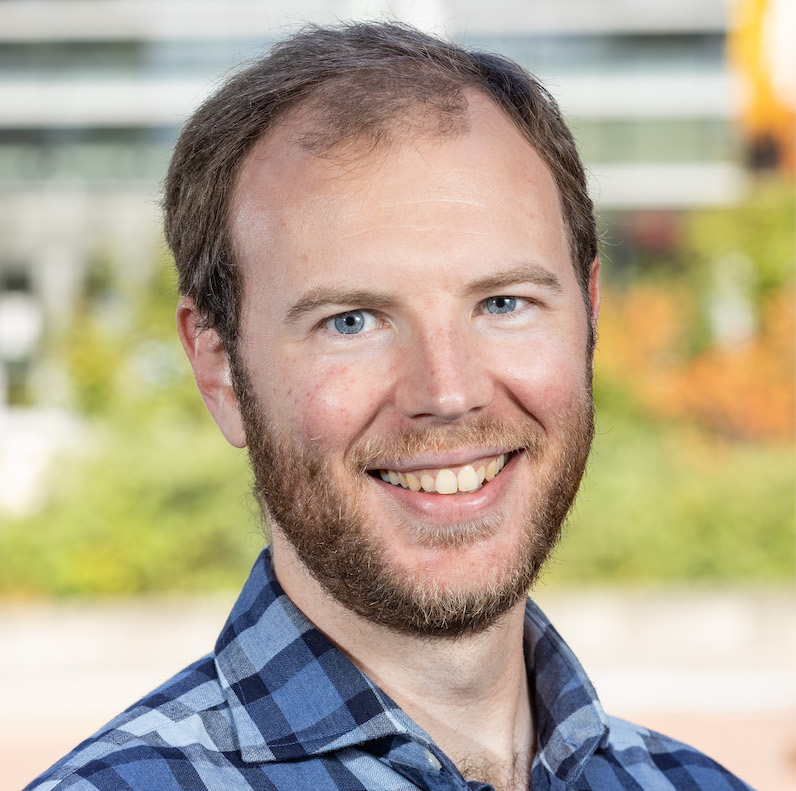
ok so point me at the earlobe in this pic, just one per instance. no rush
(211, 370)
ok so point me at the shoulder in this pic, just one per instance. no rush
(632, 756)
(185, 716)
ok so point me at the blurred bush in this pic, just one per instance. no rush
(159, 503)
(692, 476)
(674, 502)
(155, 500)
(711, 340)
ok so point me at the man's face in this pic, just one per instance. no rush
(412, 314)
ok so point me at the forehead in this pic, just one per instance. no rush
(485, 181)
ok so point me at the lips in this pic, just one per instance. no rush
(447, 480)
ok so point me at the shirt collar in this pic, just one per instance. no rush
(293, 693)
(290, 690)
(570, 721)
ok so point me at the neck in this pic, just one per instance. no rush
(470, 693)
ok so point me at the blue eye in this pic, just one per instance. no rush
(349, 323)
(499, 305)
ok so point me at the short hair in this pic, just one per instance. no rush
(360, 81)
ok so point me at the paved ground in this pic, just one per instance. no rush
(714, 669)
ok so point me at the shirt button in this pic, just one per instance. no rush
(432, 760)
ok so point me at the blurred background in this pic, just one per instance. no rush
(125, 521)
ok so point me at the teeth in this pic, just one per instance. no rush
(446, 481)
(467, 479)
(427, 482)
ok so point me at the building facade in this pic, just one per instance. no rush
(93, 93)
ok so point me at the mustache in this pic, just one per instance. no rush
(524, 434)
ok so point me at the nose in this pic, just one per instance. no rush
(443, 375)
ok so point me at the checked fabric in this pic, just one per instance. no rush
(277, 707)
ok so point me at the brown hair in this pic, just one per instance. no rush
(358, 81)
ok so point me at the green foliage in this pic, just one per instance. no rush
(93, 360)
(156, 500)
(761, 228)
(155, 504)
(671, 502)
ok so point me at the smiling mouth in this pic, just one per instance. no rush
(469, 478)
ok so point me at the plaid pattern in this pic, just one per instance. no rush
(277, 707)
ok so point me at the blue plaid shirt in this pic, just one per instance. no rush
(277, 707)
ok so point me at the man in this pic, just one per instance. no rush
(389, 270)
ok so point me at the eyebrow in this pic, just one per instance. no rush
(512, 276)
(324, 295)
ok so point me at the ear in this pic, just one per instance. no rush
(594, 292)
(211, 370)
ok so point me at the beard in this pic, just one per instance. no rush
(320, 511)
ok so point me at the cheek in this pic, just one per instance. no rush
(336, 403)
(548, 380)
